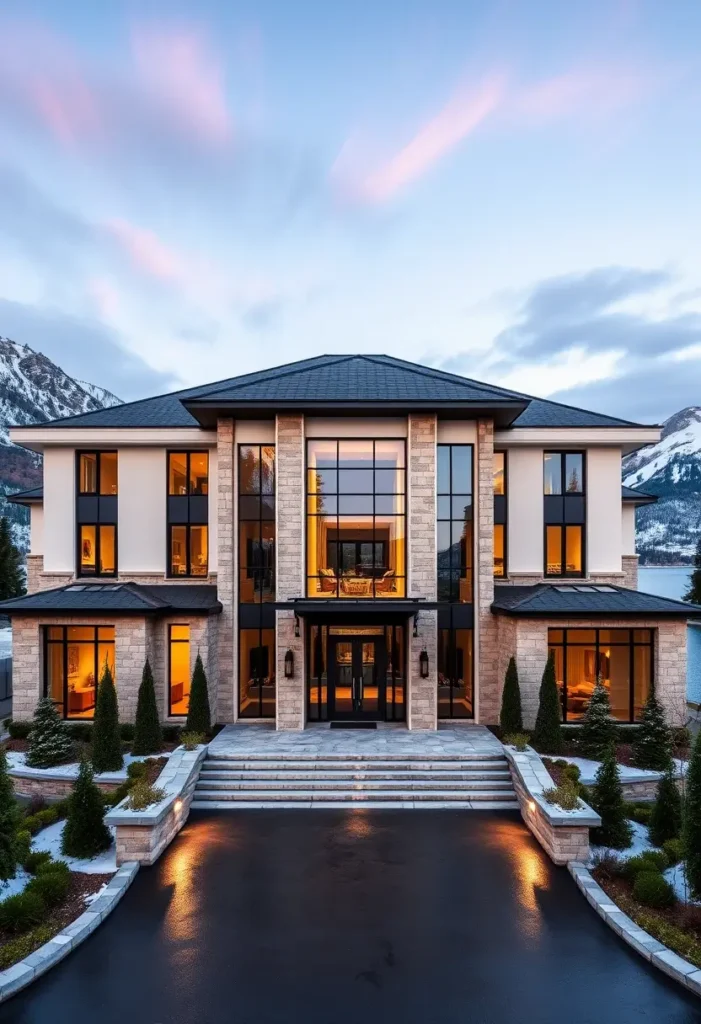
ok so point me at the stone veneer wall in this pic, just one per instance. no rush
(527, 641)
(422, 694)
(630, 571)
(203, 641)
(290, 575)
(35, 567)
(486, 668)
(223, 684)
(48, 581)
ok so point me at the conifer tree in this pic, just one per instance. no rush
(147, 734)
(598, 728)
(652, 744)
(607, 801)
(511, 719)
(691, 828)
(11, 569)
(547, 736)
(49, 742)
(666, 817)
(85, 833)
(9, 820)
(106, 741)
(198, 715)
(694, 592)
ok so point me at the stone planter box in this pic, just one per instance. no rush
(142, 836)
(564, 835)
(51, 786)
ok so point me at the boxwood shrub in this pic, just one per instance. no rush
(19, 730)
(51, 886)
(651, 889)
(18, 913)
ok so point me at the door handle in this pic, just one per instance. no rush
(357, 693)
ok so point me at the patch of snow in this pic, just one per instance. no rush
(589, 768)
(641, 843)
(92, 896)
(17, 759)
(14, 886)
(49, 839)
(677, 876)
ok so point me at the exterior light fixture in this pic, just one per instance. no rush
(297, 625)
(178, 806)
(531, 805)
(289, 665)
(423, 664)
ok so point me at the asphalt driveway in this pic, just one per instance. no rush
(333, 917)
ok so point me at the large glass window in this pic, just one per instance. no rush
(256, 523)
(622, 657)
(97, 473)
(257, 673)
(455, 674)
(565, 513)
(75, 659)
(178, 670)
(188, 513)
(96, 514)
(356, 532)
(455, 512)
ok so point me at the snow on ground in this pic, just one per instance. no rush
(15, 759)
(641, 843)
(49, 839)
(15, 885)
(589, 769)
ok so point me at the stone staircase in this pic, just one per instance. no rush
(473, 781)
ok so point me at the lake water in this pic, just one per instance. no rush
(666, 581)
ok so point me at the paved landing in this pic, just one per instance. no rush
(347, 917)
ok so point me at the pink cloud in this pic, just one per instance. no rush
(582, 91)
(180, 70)
(146, 251)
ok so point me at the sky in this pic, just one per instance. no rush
(506, 189)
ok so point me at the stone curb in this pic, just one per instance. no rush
(688, 975)
(41, 960)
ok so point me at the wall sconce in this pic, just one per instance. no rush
(289, 665)
(423, 664)
(297, 625)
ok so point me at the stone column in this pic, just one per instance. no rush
(630, 571)
(421, 496)
(290, 575)
(486, 645)
(224, 685)
(35, 567)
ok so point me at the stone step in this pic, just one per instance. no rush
(323, 785)
(375, 805)
(352, 764)
(273, 797)
(352, 756)
(351, 775)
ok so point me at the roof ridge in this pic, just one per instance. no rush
(436, 372)
(324, 360)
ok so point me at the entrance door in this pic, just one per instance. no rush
(357, 678)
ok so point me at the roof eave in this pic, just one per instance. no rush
(525, 613)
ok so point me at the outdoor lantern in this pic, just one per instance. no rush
(289, 665)
(423, 664)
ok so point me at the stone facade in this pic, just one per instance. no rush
(290, 575)
(223, 684)
(630, 571)
(35, 568)
(421, 554)
(486, 645)
(52, 788)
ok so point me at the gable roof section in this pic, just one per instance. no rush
(343, 380)
(116, 599)
(586, 600)
(34, 496)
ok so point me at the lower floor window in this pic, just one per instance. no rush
(179, 670)
(257, 673)
(74, 662)
(455, 674)
(622, 657)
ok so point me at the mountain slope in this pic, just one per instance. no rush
(668, 531)
(33, 389)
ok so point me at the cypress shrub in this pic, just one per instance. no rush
(598, 728)
(49, 742)
(607, 801)
(147, 734)
(666, 817)
(652, 744)
(85, 833)
(691, 828)
(9, 822)
(106, 741)
(511, 719)
(198, 715)
(547, 736)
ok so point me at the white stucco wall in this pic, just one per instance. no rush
(457, 432)
(350, 426)
(255, 432)
(59, 510)
(36, 530)
(628, 530)
(142, 510)
(604, 510)
(525, 511)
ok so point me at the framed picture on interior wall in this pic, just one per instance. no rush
(73, 661)
(590, 666)
(87, 550)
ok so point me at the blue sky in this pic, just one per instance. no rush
(508, 190)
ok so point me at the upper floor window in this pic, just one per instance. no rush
(455, 517)
(500, 513)
(188, 513)
(356, 518)
(564, 488)
(96, 513)
(256, 523)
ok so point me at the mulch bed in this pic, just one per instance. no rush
(154, 770)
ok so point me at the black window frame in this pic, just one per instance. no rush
(94, 509)
(452, 675)
(81, 572)
(260, 628)
(632, 644)
(563, 510)
(258, 573)
(188, 516)
(48, 642)
(501, 515)
(455, 574)
(171, 641)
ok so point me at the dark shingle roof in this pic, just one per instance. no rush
(545, 600)
(116, 598)
(36, 494)
(333, 379)
(637, 497)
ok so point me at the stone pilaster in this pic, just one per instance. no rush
(223, 685)
(35, 567)
(290, 578)
(487, 663)
(630, 571)
(422, 693)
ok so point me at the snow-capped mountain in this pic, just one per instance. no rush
(33, 390)
(667, 532)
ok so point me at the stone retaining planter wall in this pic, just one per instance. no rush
(41, 960)
(29, 783)
(142, 836)
(665, 959)
(564, 835)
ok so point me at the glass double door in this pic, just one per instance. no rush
(357, 678)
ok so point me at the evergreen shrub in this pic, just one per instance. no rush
(49, 741)
(547, 736)
(107, 744)
(511, 719)
(651, 889)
